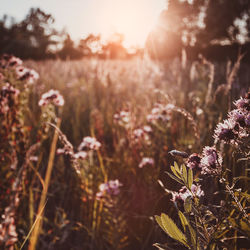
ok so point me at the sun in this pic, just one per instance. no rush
(132, 18)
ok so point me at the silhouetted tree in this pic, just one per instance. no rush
(200, 24)
(69, 51)
(31, 38)
(91, 45)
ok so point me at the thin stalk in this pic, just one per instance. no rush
(38, 225)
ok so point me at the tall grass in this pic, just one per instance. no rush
(113, 101)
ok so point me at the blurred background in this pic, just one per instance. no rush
(123, 29)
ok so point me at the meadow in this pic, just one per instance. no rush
(87, 148)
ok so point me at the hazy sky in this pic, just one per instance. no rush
(134, 18)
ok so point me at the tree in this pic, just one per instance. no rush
(68, 50)
(31, 38)
(200, 24)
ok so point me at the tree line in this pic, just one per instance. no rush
(35, 38)
(218, 29)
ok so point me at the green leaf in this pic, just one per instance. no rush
(177, 168)
(175, 178)
(190, 178)
(188, 204)
(172, 230)
(184, 173)
(196, 179)
(158, 220)
(185, 223)
(183, 219)
(175, 172)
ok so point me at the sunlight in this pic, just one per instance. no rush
(133, 18)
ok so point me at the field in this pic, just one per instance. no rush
(86, 167)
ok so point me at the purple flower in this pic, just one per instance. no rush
(211, 161)
(52, 96)
(240, 116)
(226, 131)
(89, 143)
(146, 161)
(194, 161)
(111, 187)
(243, 103)
(184, 193)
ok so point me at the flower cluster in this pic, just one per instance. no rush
(26, 74)
(146, 161)
(111, 188)
(141, 134)
(194, 162)
(89, 143)
(208, 163)
(7, 61)
(8, 96)
(22, 73)
(236, 127)
(184, 193)
(52, 96)
(123, 118)
(8, 234)
(160, 113)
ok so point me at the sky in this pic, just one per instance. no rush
(133, 18)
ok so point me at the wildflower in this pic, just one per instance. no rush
(243, 103)
(194, 161)
(8, 96)
(211, 161)
(138, 133)
(33, 158)
(122, 118)
(184, 193)
(160, 112)
(111, 187)
(239, 116)
(89, 143)
(29, 75)
(147, 129)
(14, 61)
(60, 151)
(9, 61)
(8, 89)
(52, 96)
(197, 191)
(146, 161)
(225, 131)
(81, 155)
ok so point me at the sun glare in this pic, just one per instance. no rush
(133, 18)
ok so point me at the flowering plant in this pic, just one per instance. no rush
(212, 211)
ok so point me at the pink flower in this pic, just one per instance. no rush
(146, 161)
(184, 193)
(29, 75)
(194, 161)
(52, 96)
(111, 187)
(243, 103)
(81, 155)
(211, 161)
(89, 143)
(225, 132)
